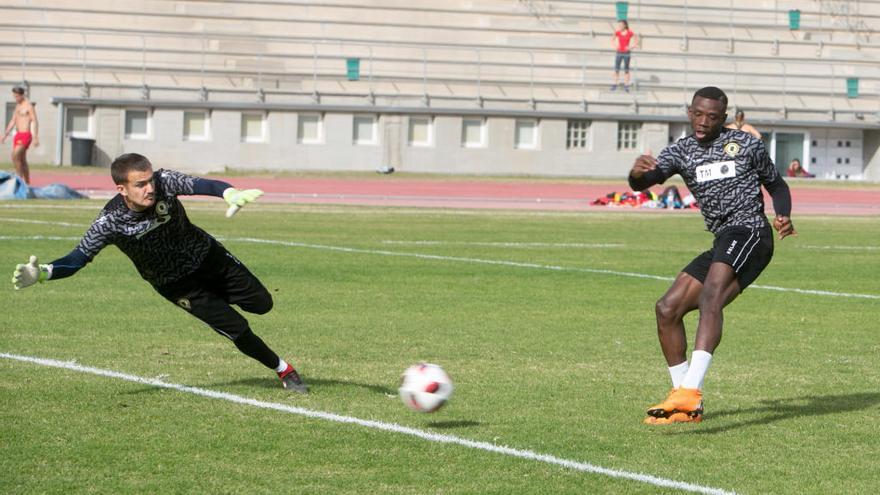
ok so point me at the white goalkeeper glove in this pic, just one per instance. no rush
(238, 198)
(26, 275)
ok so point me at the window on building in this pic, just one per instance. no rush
(253, 127)
(79, 122)
(526, 134)
(628, 135)
(473, 133)
(421, 131)
(138, 124)
(10, 111)
(196, 125)
(365, 129)
(578, 131)
(310, 129)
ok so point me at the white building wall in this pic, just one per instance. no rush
(337, 151)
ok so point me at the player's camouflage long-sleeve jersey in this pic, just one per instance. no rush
(161, 241)
(725, 177)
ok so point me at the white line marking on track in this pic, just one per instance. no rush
(378, 425)
(507, 244)
(482, 261)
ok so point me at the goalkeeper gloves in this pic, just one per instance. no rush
(238, 198)
(28, 274)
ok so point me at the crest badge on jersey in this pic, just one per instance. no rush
(731, 149)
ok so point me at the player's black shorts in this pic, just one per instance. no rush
(220, 281)
(747, 250)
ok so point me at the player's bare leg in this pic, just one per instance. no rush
(685, 403)
(719, 290)
(681, 298)
(19, 159)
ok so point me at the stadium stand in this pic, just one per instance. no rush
(527, 57)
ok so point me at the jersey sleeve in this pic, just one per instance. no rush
(669, 162)
(667, 166)
(99, 235)
(772, 181)
(767, 172)
(176, 183)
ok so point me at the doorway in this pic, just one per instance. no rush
(788, 147)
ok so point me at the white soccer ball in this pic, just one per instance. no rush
(425, 387)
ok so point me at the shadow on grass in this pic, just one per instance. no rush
(312, 382)
(462, 423)
(775, 410)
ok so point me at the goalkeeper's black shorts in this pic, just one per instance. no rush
(209, 292)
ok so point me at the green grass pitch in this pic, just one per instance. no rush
(560, 362)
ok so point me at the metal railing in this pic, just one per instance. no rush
(429, 65)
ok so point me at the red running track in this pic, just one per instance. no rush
(441, 193)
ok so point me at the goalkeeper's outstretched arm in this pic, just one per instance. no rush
(30, 273)
(236, 198)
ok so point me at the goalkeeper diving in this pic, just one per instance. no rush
(185, 264)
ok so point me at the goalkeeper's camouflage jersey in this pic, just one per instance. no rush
(725, 177)
(161, 241)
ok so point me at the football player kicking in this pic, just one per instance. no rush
(724, 170)
(185, 264)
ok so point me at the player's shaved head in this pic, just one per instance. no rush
(712, 93)
(123, 164)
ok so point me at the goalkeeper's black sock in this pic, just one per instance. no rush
(253, 346)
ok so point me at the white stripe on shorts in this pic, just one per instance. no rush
(742, 249)
(757, 235)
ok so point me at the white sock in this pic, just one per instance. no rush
(700, 361)
(281, 366)
(677, 373)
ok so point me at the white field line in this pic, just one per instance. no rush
(482, 261)
(41, 222)
(508, 244)
(529, 265)
(377, 425)
(843, 248)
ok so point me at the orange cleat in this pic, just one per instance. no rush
(680, 400)
(678, 417)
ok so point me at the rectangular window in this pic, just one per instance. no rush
(526, 134)
(473, 133)
(578, 131)
(310, 129)
(196, 125)
(365, 129)
(628, 135)
(421, 131)
(10, 110)
(79, 122)
(138, 124)
(253, 127)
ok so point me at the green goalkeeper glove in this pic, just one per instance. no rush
(238, 198)
(29, 274)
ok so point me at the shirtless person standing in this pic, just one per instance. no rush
(24, 120)
(739, 123)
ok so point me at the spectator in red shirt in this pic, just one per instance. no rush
(795, 169)
(623, 41)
